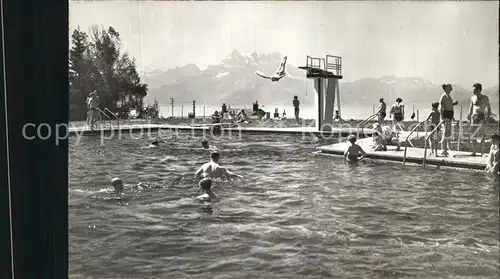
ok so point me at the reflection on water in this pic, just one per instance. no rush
(293, 215)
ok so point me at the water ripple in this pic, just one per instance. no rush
(294, 214)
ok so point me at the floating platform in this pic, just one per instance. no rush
(414, 155)
(224, 128)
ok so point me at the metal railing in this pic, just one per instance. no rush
(114, 116)
(408, 141)
(335, 66)
(106, 115)
(428, 137)
(320, 62)
(362, 123)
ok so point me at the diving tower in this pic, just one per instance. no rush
(326, 73)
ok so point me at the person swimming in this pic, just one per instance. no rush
(154, 144)
(205, 185)
(212, 169)
(353, 151)
(205, 145)
(118, 186)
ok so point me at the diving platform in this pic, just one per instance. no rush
(414, 155)
(312, 72)
(326, 73)
(328, 67)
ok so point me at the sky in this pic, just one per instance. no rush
(455, 42)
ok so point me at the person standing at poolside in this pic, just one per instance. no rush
(433, 118)
(447, 112)
(382, 111)
(479, 103)
(92, 105)
(398, 110)
(296, 108)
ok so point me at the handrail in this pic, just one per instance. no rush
(104, 113)
(365, 121)
(114, 115)
(407, 138)
(428, 137)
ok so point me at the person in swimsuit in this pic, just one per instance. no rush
(378, 143)
(492, 165)
(382, 111)
(280, 72)
(434, 119)
(117, 184)
(477, 116)
(296, 108)
(205, 145)
(212, 169)
(398, 110)
(353, 152)
(205, 185)
(92, 104)
(447, 104)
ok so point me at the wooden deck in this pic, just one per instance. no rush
(413, 155)
(225, 128)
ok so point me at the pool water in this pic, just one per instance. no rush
(294, 214)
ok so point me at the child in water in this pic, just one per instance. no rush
(117, 184)
(205, 185)
(205, 145)
(492, 165)
(434, 118)
(352, 152)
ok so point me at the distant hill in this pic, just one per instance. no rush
(234, 82)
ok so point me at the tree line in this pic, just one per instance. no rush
(97, 63)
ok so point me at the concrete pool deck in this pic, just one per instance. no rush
(414, 155)
(224, 128)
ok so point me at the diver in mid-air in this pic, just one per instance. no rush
(280, 73)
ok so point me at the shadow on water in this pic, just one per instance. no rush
(293, 215)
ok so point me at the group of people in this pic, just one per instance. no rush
(396, 112)
(208, 172)
(442, 113)
(478, 115)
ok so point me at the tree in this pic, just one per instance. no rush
(97, 63)
(79, 78)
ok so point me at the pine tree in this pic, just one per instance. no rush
(79, 79)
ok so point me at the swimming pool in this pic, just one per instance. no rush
(293, 215)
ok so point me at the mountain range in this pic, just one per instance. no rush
(234, 82)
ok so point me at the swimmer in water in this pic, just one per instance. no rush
(205, 145)
(205, 186)
(117, 184)
(154, 144)
(212, 169)
(352, 152)
(119, 187)
(492, 165)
